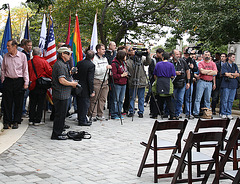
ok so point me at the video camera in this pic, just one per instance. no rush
(140, 51)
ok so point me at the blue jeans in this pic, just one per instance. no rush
(202, 87)
(228, 96)
(178, 99)
(188, 100)
(140, 94)
(118, 100)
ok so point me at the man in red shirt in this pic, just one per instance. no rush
(207, 69)
(37, 95)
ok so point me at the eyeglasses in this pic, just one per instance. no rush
(67, 53)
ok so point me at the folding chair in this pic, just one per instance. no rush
(203, 125)
(231, 144)
(233, 175)
(235, 154)
(158, 145)
(189, 157)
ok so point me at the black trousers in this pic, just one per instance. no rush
(13, 93)
(59, 118)
(160, 101)
(82, 109)
(37, 99)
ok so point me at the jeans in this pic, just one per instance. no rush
(118, 99)
(188, 100)
(178, 101)
(227, 100)
(202, 87)
(140, 94)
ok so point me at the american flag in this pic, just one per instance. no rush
(50, 47)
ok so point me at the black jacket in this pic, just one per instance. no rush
(85, 75)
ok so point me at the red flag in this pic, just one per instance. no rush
(69, 34)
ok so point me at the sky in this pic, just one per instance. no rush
(12, 3)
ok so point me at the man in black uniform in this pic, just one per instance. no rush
(85, 77)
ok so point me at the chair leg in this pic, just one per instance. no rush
(189, 167)
(170, 161)
(155, 160)
(208, 172)
(145, 155)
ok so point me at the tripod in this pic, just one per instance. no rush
(99, 94)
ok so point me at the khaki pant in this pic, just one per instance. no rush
(98, 110)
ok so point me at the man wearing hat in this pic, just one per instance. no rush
(62, 84)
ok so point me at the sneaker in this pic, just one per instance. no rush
(229, 117)
(223, 116)
(24, 115)
(124, 113)
(145, 104)
(101, 118)
(30, 123)
(40, 123)
(140, 115)
(93, 119)
(189, 116)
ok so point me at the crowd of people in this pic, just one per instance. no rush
(176, 84)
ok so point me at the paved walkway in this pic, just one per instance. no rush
(113, 155)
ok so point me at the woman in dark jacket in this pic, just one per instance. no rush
(120, 74)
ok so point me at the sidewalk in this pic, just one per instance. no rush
(113, 155)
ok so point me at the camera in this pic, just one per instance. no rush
(141, 51)
(74, 70)
(129, 75)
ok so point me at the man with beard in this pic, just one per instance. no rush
(207, 69)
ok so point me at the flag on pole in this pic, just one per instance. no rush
(50, 48)
(27, 32)
(69, 34)
(7, 35)
(94, 39)
(43, 34)
(77, 45)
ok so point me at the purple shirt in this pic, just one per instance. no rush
(15, 67)
(164, 69)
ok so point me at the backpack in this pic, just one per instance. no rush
(207, 113)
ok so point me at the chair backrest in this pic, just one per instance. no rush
(167, 125)
(212, 123)
(196, 137)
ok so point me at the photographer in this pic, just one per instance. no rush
(188, 94)
(182, 72)
(120, 74)
(137, 79)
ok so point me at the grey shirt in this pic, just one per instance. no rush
(59, 91)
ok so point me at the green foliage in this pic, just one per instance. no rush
(212, 22)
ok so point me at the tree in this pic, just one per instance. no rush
(18, 19)
(212, 22)
(147, 15)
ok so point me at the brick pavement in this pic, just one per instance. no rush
(113, 155)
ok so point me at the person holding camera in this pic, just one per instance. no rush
(62, 84)
(180, 84)
(120, 74)
(188, 94)
(207, 69)
(229, 85)
(137, 80)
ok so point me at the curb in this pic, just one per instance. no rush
(11, 136)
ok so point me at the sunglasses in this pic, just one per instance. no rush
(67, 53)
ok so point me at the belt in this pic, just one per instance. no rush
(205, 80)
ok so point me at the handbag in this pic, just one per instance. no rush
(42, 82)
